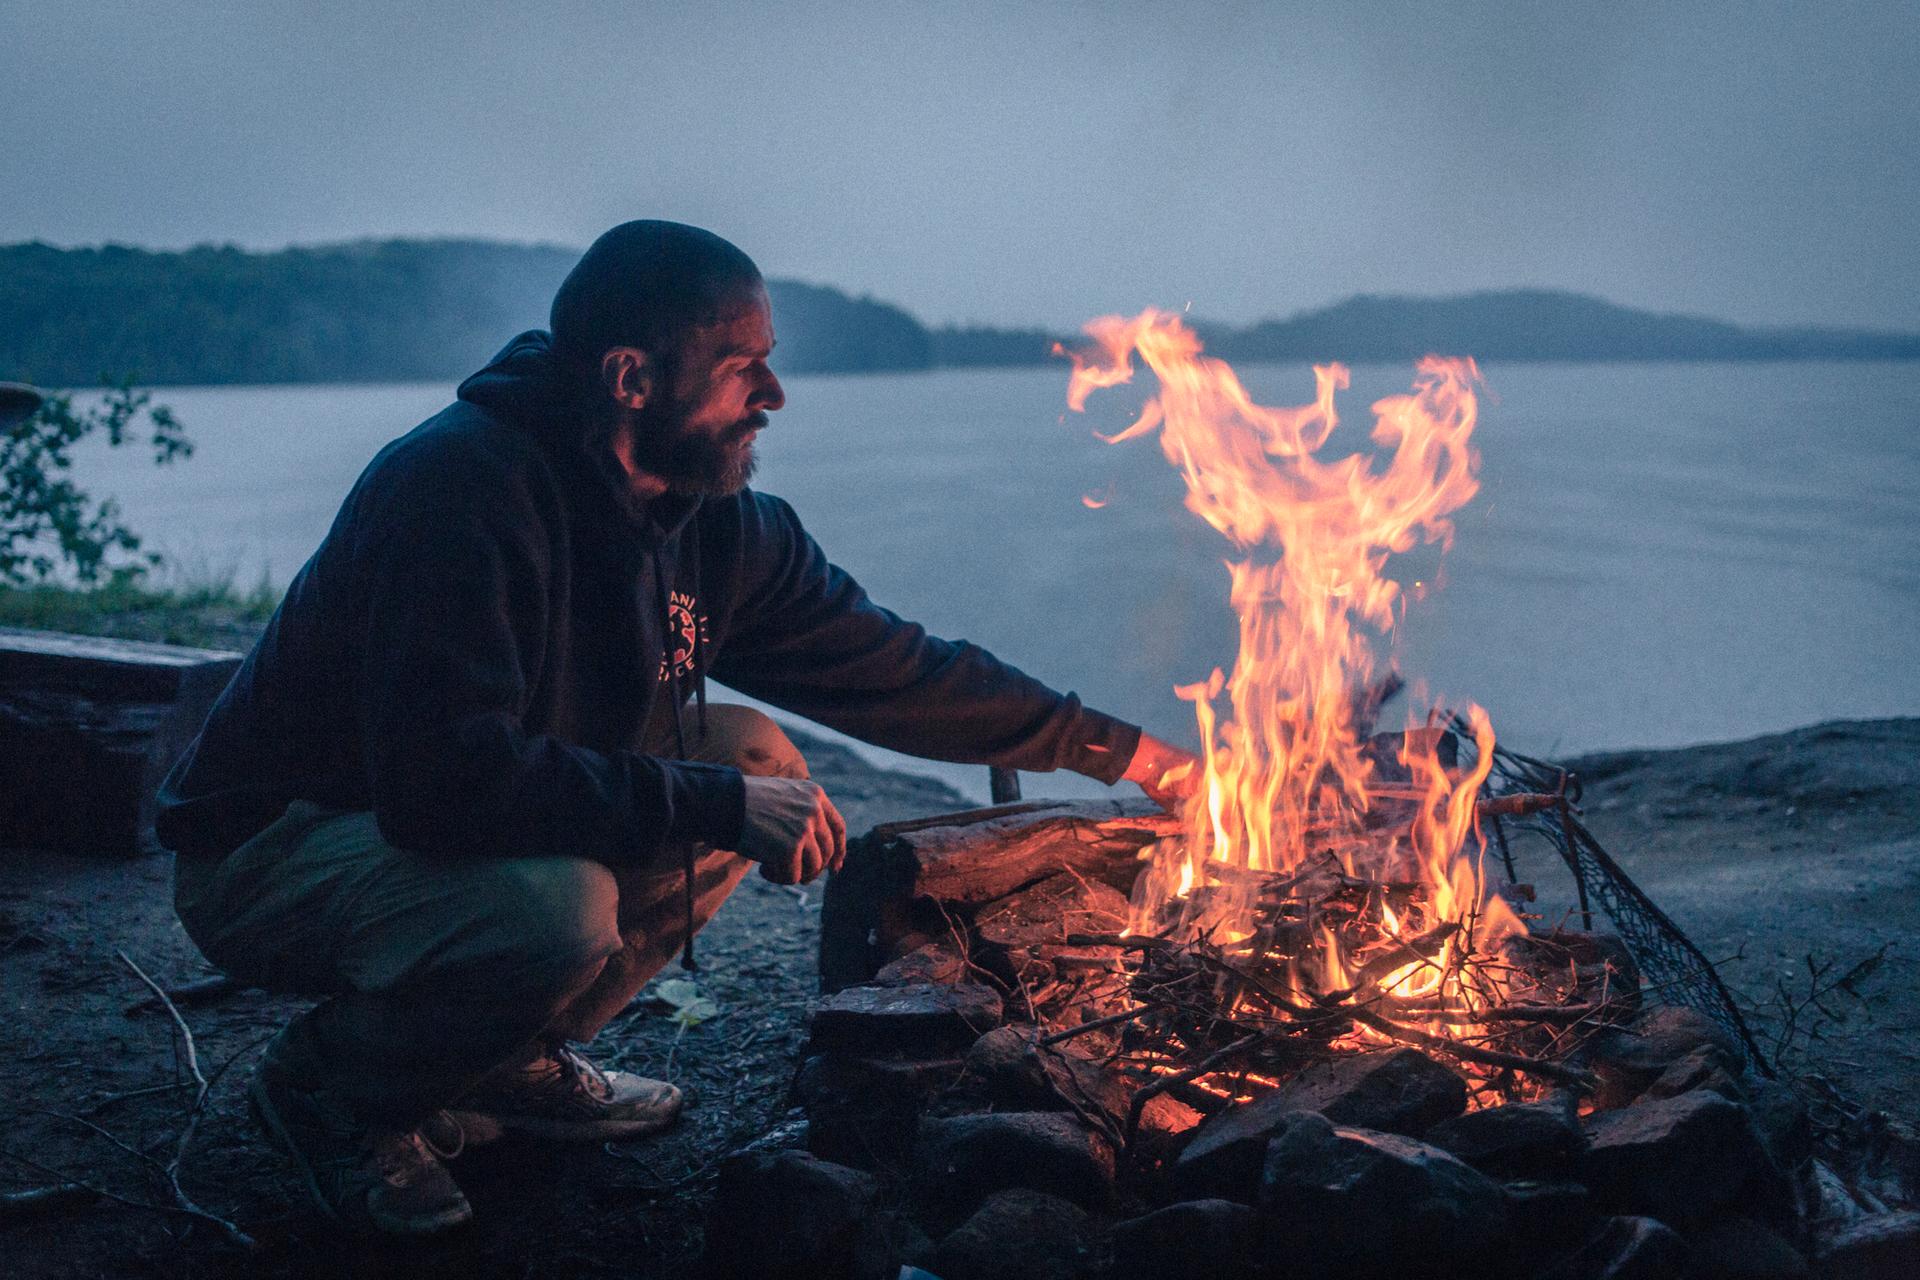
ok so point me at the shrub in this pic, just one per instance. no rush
(48, 524)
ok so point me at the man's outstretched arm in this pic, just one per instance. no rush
(805, 637)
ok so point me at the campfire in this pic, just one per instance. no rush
(1324, 886)
(1321, 988)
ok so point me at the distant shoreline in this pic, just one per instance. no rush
(400, 311)
(1292, 362)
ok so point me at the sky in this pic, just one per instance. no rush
(1017, 163)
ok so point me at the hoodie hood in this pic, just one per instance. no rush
(527, 384)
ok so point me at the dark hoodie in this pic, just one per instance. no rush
(494, 626)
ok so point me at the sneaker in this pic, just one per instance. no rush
(559, 1094)
(392, 1182)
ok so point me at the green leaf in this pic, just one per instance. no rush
(684, 1001)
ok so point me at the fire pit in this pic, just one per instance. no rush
(1315, 1022)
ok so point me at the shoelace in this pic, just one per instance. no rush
(399, 1156)
(592, 1080)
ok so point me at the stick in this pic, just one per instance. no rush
(1143, 942)
(1520, 804)
(1473, 1053)
(1111, 1020)
(1209, 1063)
(203, 1087)
(1549, 1013)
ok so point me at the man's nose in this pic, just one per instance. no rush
(771, 395)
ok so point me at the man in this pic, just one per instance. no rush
(457, 788)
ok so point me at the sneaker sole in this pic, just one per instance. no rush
(268, 1118)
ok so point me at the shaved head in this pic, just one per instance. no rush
(647, 284)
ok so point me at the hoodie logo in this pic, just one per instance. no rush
(686, 630)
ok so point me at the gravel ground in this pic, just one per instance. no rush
(1767, 852)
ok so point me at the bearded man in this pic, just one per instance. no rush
(457, 789)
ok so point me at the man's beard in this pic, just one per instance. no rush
(695, 464)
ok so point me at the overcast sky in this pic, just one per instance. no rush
(1017, 162)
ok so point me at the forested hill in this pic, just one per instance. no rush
(385, 311)
(434, 310)
(1536, 324)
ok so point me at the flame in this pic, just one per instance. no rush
(1285, 769)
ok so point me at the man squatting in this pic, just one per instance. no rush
(457, 790)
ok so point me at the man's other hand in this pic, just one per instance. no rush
(1166, 773)
(791, 829)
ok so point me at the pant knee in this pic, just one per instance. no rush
(752, 742)
(556, 921)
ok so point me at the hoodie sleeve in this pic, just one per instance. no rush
(457, 604)
(806, 638)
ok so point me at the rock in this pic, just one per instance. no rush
(1401, 1091)
(1738, 1248)
(922, 1018)
(1519, 1140)
(1017, 1235)
(1018, 1074)
(787, 1214)
(863, 1111)
(1780, 1116)
(1629, 1058)
(1166, 1126)
(1882, 1246)
(960, 1159)
(932, 962)
(1674, 1158)
(1546, 1214)
(1707, 1067)
(1353, 1202)
(840, 1078)
(1193, 1240)
(1625, 1249)
(88, 728)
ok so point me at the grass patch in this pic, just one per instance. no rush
(209, 614)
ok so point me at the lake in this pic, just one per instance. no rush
(1659, 554)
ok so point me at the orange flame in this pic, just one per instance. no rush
(1285, 772)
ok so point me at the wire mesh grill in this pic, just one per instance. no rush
(1676, 972)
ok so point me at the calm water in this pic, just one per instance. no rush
(1659, 555)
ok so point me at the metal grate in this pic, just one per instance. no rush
(1676, 971)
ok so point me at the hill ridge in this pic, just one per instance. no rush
(432, 309)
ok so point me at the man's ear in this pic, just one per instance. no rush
(626, 373)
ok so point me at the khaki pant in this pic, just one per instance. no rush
(435, 969)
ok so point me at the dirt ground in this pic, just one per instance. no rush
(1768, 852)
(73, 1048)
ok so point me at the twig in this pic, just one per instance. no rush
(1209, 1063)
(1473, 1053)
(1111, 1020)
(191, 1054)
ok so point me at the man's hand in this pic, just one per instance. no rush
(1166, 773)
(791, 829)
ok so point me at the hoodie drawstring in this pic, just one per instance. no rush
(665, 604)
(699, 667)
